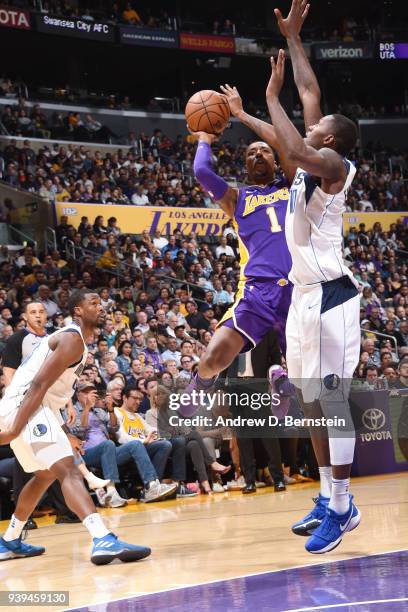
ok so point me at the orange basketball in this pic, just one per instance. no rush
(207, 111)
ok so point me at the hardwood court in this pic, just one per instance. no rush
(203, 539)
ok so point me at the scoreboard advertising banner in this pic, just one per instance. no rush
(208, 43)
(78, 28)
(14, 18)
(392, 51)
(148, 38)
(343, 50)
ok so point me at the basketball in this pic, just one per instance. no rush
(207, 111)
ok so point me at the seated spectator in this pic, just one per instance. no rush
(402, 380)
(96, 419)
(153, 355)
(202, 460)
(130, 16)
(124, 357)
(135, 373)
(223, 248)
(44, 294)
(371, 377)
(373, 353)
(171, 352)
(134, 427)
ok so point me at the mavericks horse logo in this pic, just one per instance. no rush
(39, 430)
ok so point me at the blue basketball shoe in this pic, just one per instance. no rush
(108, 548)
(333, 527)
(313, 520)
(17, 548)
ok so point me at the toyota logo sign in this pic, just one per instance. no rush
(373, 419)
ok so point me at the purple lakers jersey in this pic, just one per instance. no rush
(260, 223)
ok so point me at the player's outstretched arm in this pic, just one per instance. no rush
(264, 130)
(67, 349)
(324, 163)
(305, 78)
(204, 173)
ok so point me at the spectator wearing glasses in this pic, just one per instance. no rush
(139, 345)
(186, 363)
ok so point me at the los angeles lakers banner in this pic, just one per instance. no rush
(135, 219)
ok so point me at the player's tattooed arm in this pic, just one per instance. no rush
(324, 162)
(66, 351)
(305, 78)
(264, 130)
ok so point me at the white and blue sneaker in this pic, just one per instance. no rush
(108, 548)
(333, 527)
(16, 549)
(307, 525)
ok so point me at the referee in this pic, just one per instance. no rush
(18, 347)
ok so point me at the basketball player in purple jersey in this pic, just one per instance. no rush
(264, 292)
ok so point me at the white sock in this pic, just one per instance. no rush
(325, 481)
(111, 489)
(95, 525)
(83, 469)
(339, 499)
(14, 529)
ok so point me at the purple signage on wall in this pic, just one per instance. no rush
(376, 437)
(392, 50)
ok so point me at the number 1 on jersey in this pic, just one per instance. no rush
(275, 227)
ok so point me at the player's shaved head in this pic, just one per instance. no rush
(345, 134)
(336, 132)
(77, 298)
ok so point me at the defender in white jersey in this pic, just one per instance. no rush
(323, 334)
(31, 423)
(42, 441)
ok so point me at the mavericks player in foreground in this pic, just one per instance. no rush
(31, 423)
(323, 334)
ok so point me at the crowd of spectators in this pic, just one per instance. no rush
(22, 120)
(158, 171)
(379, 261)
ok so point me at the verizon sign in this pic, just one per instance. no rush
(340, 51)
(14, 18)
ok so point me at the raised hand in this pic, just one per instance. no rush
(202, 136)
(292, 25)
(277, 77)
(234, 99)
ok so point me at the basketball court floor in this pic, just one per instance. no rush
(230, 552)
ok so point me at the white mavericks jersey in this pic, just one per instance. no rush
(59, 393)
(314, 229)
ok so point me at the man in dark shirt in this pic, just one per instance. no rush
(194, 317)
